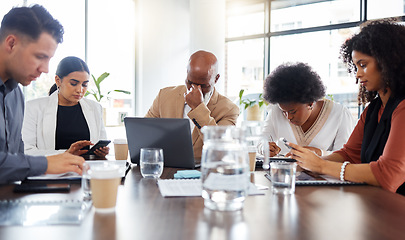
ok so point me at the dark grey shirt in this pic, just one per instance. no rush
(14, 165)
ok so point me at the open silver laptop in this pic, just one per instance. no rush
(173, 135)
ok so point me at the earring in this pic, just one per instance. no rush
(58, 88)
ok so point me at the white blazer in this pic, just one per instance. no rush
(39, 125)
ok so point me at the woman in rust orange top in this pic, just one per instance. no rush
(375, 152)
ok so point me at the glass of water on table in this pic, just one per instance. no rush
(151, 162)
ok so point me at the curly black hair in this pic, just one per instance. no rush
(293, 83)
(385, 41)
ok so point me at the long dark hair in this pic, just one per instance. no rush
(385, 41)
(67, 66)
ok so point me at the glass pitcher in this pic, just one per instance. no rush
(224, 168)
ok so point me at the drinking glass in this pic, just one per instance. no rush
(151, 162)
(86, 182)
(282, 175)
(257, 144)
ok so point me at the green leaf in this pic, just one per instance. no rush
(123, 91)
(240, 96)
(241, 93)
(102, 77)
(97, 93)
(97, 86)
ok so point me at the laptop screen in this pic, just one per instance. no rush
(173, 135)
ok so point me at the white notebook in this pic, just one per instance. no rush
(190, 188)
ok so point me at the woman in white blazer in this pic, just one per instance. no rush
(51, 124)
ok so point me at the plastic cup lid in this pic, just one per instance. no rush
(104, 171)
(120, 141)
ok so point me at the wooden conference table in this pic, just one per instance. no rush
(313, 212)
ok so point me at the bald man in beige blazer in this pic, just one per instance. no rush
(197, 100)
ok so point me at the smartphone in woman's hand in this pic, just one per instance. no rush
(99, 144)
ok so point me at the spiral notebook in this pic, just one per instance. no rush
(43, 212)
(306, 178)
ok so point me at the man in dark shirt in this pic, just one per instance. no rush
(29, 37)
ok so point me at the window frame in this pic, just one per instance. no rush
(267, 35)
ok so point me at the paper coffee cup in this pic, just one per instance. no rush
(104, 182)
(252, 161)
(121, 149)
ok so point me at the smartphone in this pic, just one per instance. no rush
(285, 142)
(42, 188)
(99, 144)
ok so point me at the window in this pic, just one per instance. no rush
(245, 65)
(310, 31)
(73, 41)
(293, 14)
(320, 50)
(111, 48)
(387, 8)
(245, 18)
(107, 44)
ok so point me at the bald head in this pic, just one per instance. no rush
(202, 69)
(203, 62)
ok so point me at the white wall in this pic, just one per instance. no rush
(207, 31)
(162, 48)
(168, 31)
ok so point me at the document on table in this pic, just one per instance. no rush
(67, 176)
(190, 188)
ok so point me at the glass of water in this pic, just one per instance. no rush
(282, 176)
(151, 162)
(86, 181)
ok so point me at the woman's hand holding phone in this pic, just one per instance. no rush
(100, 149)
(102, 152)
(76, 147)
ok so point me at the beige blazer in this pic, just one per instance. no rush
(169, 103)
(39, 125)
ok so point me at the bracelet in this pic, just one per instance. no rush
(342, 171)
(323, 152)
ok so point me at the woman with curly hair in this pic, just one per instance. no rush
(375, 152)
(301, 114)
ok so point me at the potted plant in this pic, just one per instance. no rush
(253, 107)
(98, 95)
